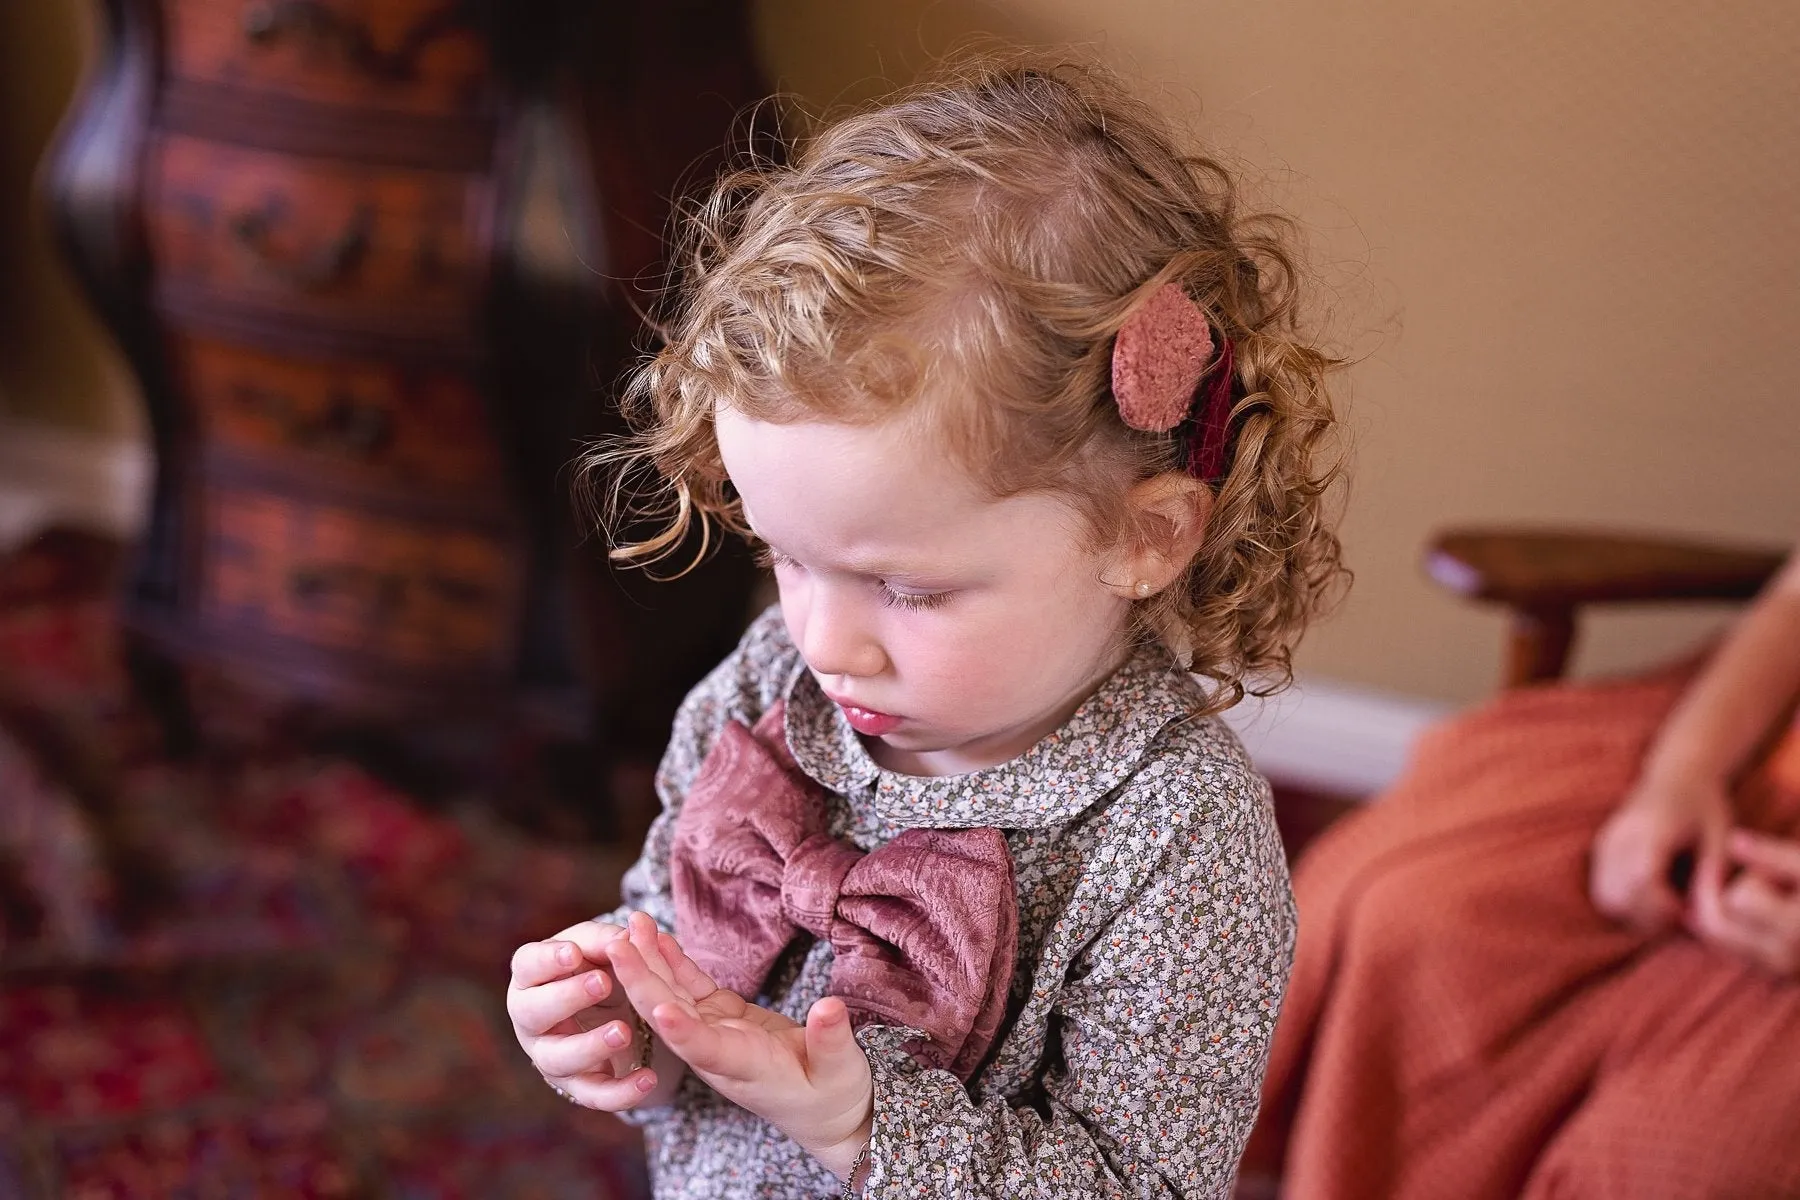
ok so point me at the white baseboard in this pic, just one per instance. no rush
(52, 475)
(1332, 736)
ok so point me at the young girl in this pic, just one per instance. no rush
(958, 889)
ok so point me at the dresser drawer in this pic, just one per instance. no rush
(422, 596)
(321, 239)
(380, 422)
(422, 57)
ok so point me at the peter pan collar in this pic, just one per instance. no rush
(1093, 752)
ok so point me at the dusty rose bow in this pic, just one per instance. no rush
(924, 927)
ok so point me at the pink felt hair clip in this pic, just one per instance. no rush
(1158, 358)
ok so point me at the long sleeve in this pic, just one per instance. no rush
(1157, 1042)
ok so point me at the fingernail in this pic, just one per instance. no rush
(565, 954)
(646, 1082)
(596, 986)
(616, 1036)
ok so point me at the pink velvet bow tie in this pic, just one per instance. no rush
(924, 928)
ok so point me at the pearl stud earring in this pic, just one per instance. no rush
(1143, 588)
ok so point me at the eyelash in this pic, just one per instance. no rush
(768, 558)
(912, 603)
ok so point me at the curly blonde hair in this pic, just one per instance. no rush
(991, 228)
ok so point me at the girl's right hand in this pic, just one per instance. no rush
(812, 1082)
(1631, 875)
(573, 1020)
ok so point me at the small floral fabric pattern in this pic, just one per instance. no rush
(1156, 928)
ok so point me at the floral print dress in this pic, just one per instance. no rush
(1156, 928)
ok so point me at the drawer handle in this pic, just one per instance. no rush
(328, 264)
(269, 21)
(349, 427)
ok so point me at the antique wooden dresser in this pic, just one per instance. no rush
(374, 264)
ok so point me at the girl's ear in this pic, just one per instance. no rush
(1166, 525)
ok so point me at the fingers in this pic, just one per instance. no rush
(592, 1052)
(837, 1067)
(832, 1054)
(535, 963)
(591, 937)
(688, 975)
(1759, 904)
(647, 938)
(1751, 918)
(1628, 876)
(668, 961)
(1777, 856)
(553, 981)
(1706, 895)
(608, 1095)
(1714, 840)
(714, 1047)
(653, 971)
(538, 1010)
(644, 986)
(723, 1050)
(1769, 916)
(1732, 938)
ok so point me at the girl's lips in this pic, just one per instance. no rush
(867, 721)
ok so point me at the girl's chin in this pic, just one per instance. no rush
(921, 737)
(917, 749)
(905, 738)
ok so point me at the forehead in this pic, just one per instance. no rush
(841, 490)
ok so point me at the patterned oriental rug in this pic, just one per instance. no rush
(263, 973)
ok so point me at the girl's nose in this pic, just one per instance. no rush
(836, 639)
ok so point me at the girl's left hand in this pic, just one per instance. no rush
(810, 1081)
(1756, 913)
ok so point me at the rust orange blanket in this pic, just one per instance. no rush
(1462, 1023)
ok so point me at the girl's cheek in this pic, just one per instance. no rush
(962, 658)
(792, 594)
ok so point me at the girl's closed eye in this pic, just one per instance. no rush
(915, 601)
(894, 596)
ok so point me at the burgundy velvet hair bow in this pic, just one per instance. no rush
(924, 928)
(1162, 353)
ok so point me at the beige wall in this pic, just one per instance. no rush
(1564, 238)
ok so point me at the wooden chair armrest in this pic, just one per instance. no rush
(1544, 576)
(1540, 568)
